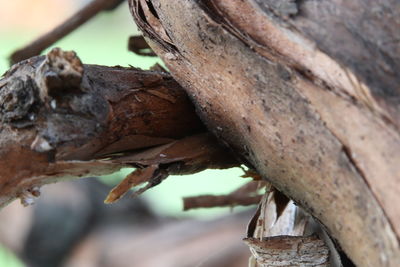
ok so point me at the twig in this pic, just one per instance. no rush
(211, 201)
(76, 20)
(245, 195)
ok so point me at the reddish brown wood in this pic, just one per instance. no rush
(61, 119)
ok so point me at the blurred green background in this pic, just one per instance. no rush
(103, 40)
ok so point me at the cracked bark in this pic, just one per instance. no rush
(61, 119)
(307, 93)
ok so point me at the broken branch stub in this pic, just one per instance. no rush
(187, 155)
(61, 119)
(285, 235)
(69, 25)
(289, 251)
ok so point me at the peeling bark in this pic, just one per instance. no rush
(61, 119)
(290, 251)
(305, 92)
(284, 235)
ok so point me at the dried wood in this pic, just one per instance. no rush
(61, 119)
(212, 201)
(292, 89)
(243, 196)
(276, 235)
(289, 251)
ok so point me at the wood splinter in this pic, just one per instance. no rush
(185, 156)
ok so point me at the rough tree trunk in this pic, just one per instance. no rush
(307, 93)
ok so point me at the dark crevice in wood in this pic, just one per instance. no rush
(145, 25)
(362, 29)
(213, 11)
(152, 9)
(349, 156)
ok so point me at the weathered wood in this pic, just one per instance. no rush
(245, 195)
(299, 104)
(289, 251)
(61, 119)
(282, 234)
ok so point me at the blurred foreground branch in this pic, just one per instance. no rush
(76, 20)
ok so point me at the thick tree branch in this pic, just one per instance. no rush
(61, 119)
(299, 105)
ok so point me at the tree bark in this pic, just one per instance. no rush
(61, 119)
(307, 93)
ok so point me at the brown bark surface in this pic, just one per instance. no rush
(307, 93)
(61, 119)
(290, 251)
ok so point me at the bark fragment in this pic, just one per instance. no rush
(289, 251)
(287, 236)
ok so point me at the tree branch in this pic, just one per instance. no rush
(62, 119)
(301, 108)
(212, 201)
(76, 20)
(243, 196)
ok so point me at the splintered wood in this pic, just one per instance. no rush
(61, 119)
(281, 234)
(135, 178)
(185, 156)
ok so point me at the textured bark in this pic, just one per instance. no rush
(289, 251)
(282, 234)
(304, 91)
(61, 119)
